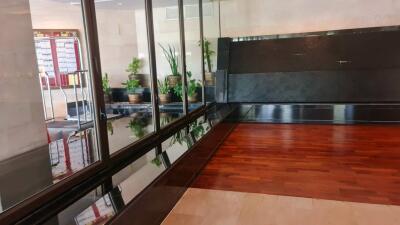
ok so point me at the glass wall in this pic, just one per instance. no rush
(47, 131)
(124, 57)
(211, 26)
(168, 59)
(194, 66)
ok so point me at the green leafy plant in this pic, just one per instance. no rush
(134, 66)
(172, 59)
(208, 53)
(106, 84)
(132, 86)
(163, 87)
(193, 84)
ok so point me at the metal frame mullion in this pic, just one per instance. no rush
(203, 74)
(183, 57)
(100, 116)
(153, 68)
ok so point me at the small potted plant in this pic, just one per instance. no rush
(133, 69)
(134, 91)
(208, 54)
(106, 89)
(193, 85)
(174, 78)
(164, 91)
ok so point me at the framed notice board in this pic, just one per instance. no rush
(58, 55)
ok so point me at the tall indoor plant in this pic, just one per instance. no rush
(174, 78)
(208, 54)
(106, 88)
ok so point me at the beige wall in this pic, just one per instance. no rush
(22, 125)
(117, 40)
(261, 17)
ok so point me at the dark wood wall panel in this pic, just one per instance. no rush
(349, 51)
(351, 66)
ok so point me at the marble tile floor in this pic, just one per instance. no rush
(215, 207)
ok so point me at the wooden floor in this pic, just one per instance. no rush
(359, 163)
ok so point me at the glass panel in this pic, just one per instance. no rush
(98, 208)
(177, 145)
(125, 66)
(199, 128)
(193, 53)
(47, 131)
(211, 35)
(166, 34)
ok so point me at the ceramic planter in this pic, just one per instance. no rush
(193, 98)
(210, 78)
(174, 80)
(164, 98)
(135, 98)
(107, 99)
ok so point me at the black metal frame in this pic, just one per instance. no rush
(47, 203)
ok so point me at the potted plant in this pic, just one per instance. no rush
(106, 88)
(193, 85)
(174, 78)
(164, 91)
(133, 69)
(208, 53)
(134, 91)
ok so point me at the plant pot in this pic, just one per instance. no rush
(193, 98)
(107, 99)
(210, 78)
(164, 98)
(135, 98)
(174, 80)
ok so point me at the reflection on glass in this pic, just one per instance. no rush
(125, 65)
(199, 128)
(126, 130)
(169, 74)
(46, 127)
(193, 53)
(98, 213)
(177, 145)
(98, 208)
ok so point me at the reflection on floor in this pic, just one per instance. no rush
(358, 163)
(318, 113)
(212, 207)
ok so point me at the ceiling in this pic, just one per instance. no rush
(129, 4)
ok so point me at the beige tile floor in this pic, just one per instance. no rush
(212, 207)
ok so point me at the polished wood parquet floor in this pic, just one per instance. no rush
(359, 163)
